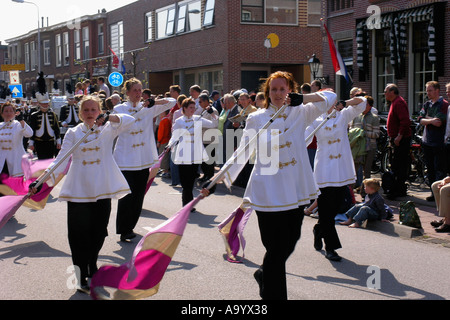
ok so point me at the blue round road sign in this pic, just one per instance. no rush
(115, 79)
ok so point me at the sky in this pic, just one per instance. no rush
(20, 18)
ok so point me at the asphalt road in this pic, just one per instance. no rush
(35, 260)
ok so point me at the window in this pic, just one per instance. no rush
(424, 70)
(340, 4)
(117, 44)
(189, 16)
(77, 44)
(314, 12)
(270, 11)
(58, 50)
(101, 37)
(181, 24)
(165, 22)
(385, 71)
(209, 13)
(86, 43)
(33, 54)
(27, 56)
(170, 22)
(46, 44)
(66, 48)
(149, 26)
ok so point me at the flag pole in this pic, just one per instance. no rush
(47, 174)
(321, 125)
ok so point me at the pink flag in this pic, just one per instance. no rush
(154, 170)
(141, 276)
(232, 229)
(9, 205)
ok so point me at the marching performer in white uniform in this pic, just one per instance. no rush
(190, 152)
(282, 181)
(136, 152)
(334, 170)
(92, 180)
(12, 133)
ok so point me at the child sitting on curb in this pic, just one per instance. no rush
(372, 208)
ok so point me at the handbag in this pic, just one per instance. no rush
(409, 216)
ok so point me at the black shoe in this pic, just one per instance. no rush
(333, 256)
(443, 228)
(127, 236)
(259, 278)
(193, 210)
(83, 287)
(317, 241)
(430, 198)
(437, 223)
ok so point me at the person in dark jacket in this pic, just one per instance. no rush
(372, 208)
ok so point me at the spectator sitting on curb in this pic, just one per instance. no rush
(441, 191)
(372, 208)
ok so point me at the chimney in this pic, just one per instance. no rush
(47, 21)
(42, 24)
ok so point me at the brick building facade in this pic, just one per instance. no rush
(220, 45)
(400, 49)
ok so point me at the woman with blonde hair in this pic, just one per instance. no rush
(92, 181)
(279, 191)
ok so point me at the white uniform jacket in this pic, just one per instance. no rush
(11, 145)
(93, 173)
(282, 178)
(189, 134)
(333, 164)
(136, 147)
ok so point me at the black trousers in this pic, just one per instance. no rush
(280, 232)
(188, 174)
(208, 168)
(329, 203)
(45, 149)
(87, 225)
(129, 207)
(401, 162)
(435, 159)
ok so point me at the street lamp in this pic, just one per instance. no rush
(39, 31)
(314, 65)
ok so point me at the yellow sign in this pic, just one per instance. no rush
(273, 40)
(13, 67)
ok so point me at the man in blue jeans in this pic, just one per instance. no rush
(434, 117)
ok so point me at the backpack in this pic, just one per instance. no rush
(408, 215)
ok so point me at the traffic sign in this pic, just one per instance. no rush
(16, 90)
(14, 77)
(115, 79)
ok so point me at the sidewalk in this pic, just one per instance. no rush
(426, 210)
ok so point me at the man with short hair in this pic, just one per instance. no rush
(399, 131)
(230, 110)
(103, 87)
(175, 91)
(433, 117)
(316, 85)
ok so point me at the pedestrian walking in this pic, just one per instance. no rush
(279, 191)
(135, 152)
(91, 182)
(333, 170)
